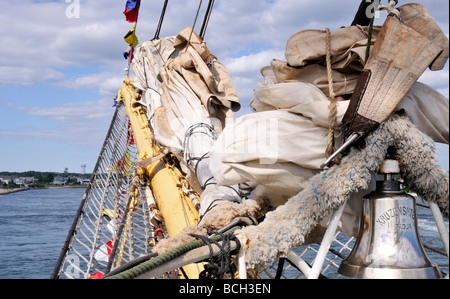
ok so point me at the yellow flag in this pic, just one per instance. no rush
(131, 38)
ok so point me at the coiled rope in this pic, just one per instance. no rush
(222, 259)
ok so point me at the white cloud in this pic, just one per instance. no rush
(23, 75)
(71, 135)
(83, 124)
(252, 63)
(39, 36)
(73, 113)
(245, 71)
(107, 83)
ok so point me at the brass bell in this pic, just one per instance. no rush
(388, 244)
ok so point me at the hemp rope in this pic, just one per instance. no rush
(332, 116)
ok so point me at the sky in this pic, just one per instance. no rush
(61, 64)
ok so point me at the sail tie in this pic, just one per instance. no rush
(332, 116)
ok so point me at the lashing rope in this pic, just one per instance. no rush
(332, 116)
(212, 271)
(164, 258)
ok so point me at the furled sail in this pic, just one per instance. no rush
(190, 97)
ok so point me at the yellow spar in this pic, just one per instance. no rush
(166, 181)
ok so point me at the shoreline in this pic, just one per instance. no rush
(14, 190)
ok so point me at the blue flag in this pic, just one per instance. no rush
(132, 10)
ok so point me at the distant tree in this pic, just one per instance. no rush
(73, 181)
(48, 177)
(39, 178)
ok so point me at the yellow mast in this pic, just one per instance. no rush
(166, 181)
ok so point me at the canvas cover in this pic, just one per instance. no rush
(282, 147)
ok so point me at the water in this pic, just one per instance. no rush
(35, 223)
(33, 227)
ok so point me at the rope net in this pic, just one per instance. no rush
(112, 225)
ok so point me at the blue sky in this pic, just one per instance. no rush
(60, 70)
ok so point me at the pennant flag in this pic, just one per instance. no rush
(132, 10)
(123, 164)
(103, 253)
(130, 136)
(127, 52)
(131, 38)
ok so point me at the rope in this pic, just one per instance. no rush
(391, 8)
(206, 19)
(208, 131)
(212, 271)
(161, 19)
(86, 250)
(332, 116)
(166, 257)
(122, 225)
(84, 201)
(369, 40)
(195, 21)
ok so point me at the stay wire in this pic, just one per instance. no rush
(195, 21)
(206, 19)
(161, 19)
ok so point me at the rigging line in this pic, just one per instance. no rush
(161, 19)
(206, 20)
(195, 21)
(81, 209)
(119, 233)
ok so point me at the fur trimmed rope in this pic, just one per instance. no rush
(289, 225)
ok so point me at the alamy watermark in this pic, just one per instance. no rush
(73, 9)
(256, 138)
(73, 268)
(373, 10)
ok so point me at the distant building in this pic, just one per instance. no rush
(83, 181)
(5, 179)
(59, 180)
(24, 181)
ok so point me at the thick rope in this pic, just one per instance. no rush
(332, 116)
(160, 260)
(213, 271)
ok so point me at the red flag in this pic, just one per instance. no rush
(132, 10)
(97, 275)
(130, 137)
